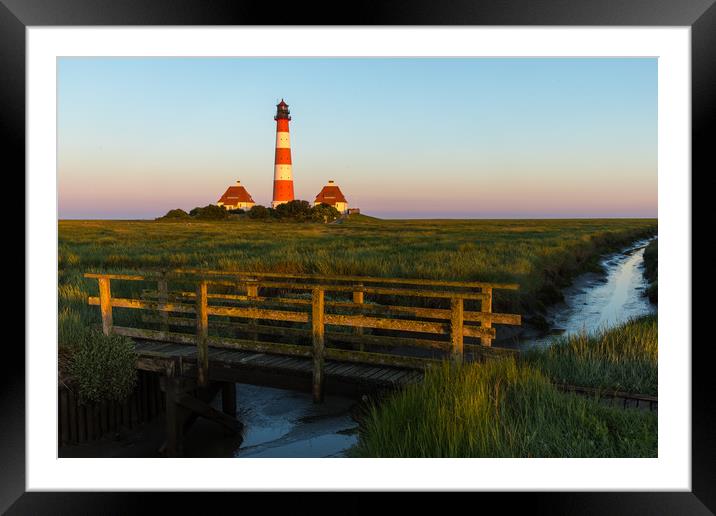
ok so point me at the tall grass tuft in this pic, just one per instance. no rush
(623, 358)
(500, 409)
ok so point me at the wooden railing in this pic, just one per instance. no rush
(295, 306)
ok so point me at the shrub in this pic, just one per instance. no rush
(103, 367)
(259, 212)
(209, 212)
(294, 210)
(175, 214)
(324, 213)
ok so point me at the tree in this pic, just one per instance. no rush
(259, 212)
(294, 210)
(209, 212)
(324, 213)
(175, 214)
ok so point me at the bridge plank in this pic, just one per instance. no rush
(331, 366)
(382, 375)
(396, 377)
(351, 370)
(284, 363)
(371, 371)
(339, 368)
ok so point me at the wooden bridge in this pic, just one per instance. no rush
(317, 332)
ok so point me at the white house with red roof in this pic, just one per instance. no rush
(332, 195)
(236, 197)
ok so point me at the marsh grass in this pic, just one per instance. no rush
(651, 269)
(500, 409)
(623, 358)
(540, 255)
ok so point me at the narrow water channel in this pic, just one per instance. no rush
(595, 301)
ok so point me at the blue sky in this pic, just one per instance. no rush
(408, 137)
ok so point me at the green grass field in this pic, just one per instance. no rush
(540, 255)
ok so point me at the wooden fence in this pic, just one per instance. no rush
(409, 317)
(84, 422)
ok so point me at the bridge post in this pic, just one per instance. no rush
(228, 399)
(486, 305)
(456, 329)
(105, 304)
(252, 291)
(202, 334)
(163, 291)
(358, 299)
(318, 329)
(174, 426)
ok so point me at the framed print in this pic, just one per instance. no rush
(418, 253)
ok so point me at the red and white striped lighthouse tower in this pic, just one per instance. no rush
(282, 176)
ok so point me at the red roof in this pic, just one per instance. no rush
(282, 103)
(234, 195)
(330, 195)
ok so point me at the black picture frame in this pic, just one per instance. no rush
(700, 15)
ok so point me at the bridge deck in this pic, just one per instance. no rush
(271, 369)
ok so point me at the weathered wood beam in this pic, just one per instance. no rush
(430, 313)
(363, 357)
(228, 399)
(119, 302)
(456, 329)
(258, 313)
(319, 344)
(406, 292)
(105, 302)
(478, 331)
(129, 277)
(174, 427)
(202, 333)
(362, 307)
(376, 340)
(387, 324)
(487, 308)
(490, 352)
(364, 279)
(358, 300)
(163, 291)
(216, 342)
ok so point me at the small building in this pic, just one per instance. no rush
(332, 195)
(236, 197)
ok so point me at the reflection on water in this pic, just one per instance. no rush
(281, 423)
(595, 301)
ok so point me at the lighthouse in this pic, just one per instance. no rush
(282, 176)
